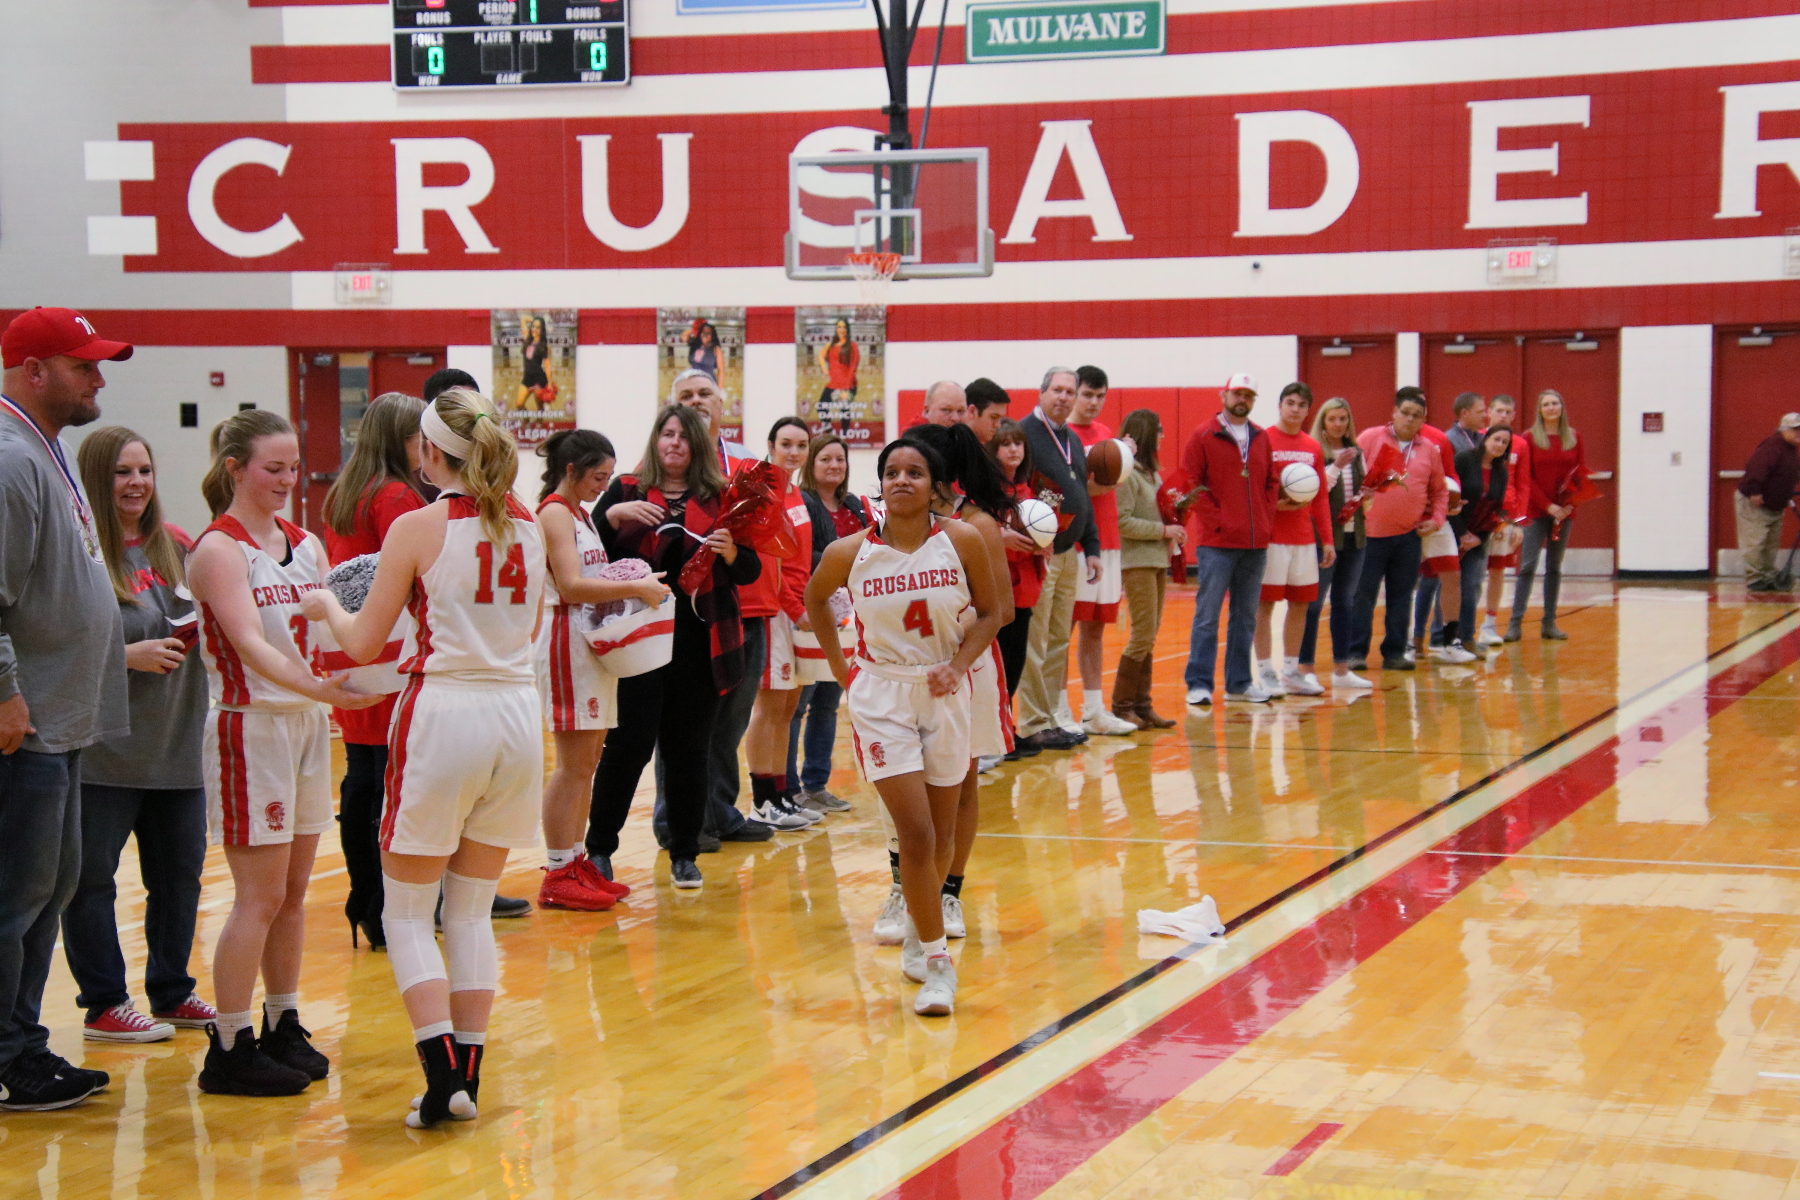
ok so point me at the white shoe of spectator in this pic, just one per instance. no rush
(1065, 717)
(1255, 694)
(1198, 696)
(1302, 683)
(1412, 654)
(890, 924)
(1105, 724)
(989, 762)
(1490, 636)
(1344, 678)
(1270, 681)
(1452, 654)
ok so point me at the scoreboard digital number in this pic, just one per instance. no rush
(510, 43)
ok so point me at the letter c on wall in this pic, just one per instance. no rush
(204, 212)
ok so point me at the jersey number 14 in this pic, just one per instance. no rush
(512, 573)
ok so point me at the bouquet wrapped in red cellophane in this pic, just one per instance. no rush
(1575, 488)
(1172, 504)
(751, 510)
(1386, 470)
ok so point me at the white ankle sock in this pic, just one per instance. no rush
(230, 1023)
(941, 946)
(1091, 703)
(558, 859)
(425, 1033)
(274, 1006)
(1291, 664)
(465, 1038)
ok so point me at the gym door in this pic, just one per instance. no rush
(1488, 364)
(328, 391)
(1361, 370)
(1753, 385)
(1585, 369)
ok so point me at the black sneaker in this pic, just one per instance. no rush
(446, 1092)
(709, 843)
(1360, 663)
(748, 831)
(288, 1045)
(244, 1070)
(1399, 664)
(511, 906)
(56, 1064)
(685, 873)
(32, 1084)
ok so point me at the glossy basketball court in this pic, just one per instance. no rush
(1526, 928)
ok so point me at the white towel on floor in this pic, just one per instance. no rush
(1196, 923)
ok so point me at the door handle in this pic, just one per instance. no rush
(1731, 474)
(1600, 474)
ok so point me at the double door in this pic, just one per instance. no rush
(329, 389)
(1754, 369)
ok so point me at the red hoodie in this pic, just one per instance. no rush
(1236, 511)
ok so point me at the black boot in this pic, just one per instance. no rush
(244, 1070)
(446, 1091)
(288, 1045)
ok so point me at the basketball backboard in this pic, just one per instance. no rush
(927, 206)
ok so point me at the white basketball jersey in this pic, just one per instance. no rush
(907, 604)
(587, 545)
(476, 607)
(276, 587)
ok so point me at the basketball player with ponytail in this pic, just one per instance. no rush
(266, 754)
(910, 580)
(465, 751)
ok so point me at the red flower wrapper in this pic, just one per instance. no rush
(751, 510)
(1576, 488)
(1168, 502)
(1386, 470)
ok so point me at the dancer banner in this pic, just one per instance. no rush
(841, 358)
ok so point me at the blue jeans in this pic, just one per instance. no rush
(40, 862)
(1474, 578)
(1338, 583)
(170, 824)
(1426, 609)
(1395, 562)
(1237, 573)
(818, 709)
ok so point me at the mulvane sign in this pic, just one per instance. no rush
(1065, 29)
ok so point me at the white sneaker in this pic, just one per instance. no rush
(1349, 679)
(1452, 654)
(1270, 682)
(954, 924)
(1256, 694)
(912, 958)
(1412, 654)
(988, 762)
(1065, 717)
(1302, 683)
(1105, 724)
(1197, 696)
(773, 812)
(792, 804)
(1489, 635)
(890, 924)
(937, 998)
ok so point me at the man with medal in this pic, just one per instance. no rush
(62, 677)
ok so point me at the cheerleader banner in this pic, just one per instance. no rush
(704, 339)
(534, 371)
(841, 373)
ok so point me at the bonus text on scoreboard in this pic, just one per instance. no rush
(510, 43)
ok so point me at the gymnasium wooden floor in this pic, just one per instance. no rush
(1527, 928)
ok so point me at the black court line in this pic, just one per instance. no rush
(937, 1096)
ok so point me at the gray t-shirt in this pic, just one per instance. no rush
(61, 644)
(168, 712)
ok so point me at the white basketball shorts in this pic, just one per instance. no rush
(1439, 551)
(1291, 573)
(897, 726)
(577, 694)
(990, 729)
(267, 775)
(465, 760)
(781, 673)
(1099, 600)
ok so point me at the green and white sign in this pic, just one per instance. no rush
(1009, 32)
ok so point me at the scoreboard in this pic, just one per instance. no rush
(509, 43)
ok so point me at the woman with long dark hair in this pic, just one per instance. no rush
(678, 485)
(1483, 471)
(1555, 451)
(1024, 564)
(534, 380)
(146, 784)
(839, 361)
(1146, 543)
(703, 348)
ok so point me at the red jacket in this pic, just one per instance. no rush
(1236, 511)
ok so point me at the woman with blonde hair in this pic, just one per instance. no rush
(1335, 430)
(147, 783)
(379, 485)
(1554, 452)
(466, 749)
(266, 755)
(1147, 542)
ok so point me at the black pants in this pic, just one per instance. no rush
(170, 825)
(359, 828)
(1013, 637)
(673, 706)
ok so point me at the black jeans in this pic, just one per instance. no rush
(730, 719)
(40, 862)
(170, 826)
(1013, 637)
(359, 829)
(1395, 562)
(1337, 583)
(673, 707)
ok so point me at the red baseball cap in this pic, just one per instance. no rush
(48, 332)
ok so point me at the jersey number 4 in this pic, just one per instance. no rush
(918, 619)
(512, 573)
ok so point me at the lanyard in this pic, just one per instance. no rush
(1068, 452)
(84, 519)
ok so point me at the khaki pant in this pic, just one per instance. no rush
(1144, 598)
(1046, 677)
(1759, 537)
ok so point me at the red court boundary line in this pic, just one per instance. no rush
(1303, 1149)
(1044, 1140)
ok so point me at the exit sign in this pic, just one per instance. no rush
(1014, 32)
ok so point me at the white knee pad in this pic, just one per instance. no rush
(469, 933)
(406, 912)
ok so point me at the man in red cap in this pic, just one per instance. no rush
(62, 677)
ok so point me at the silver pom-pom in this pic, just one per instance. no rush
(349, 581)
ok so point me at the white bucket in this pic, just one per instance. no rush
(634, 644)
(378, 678)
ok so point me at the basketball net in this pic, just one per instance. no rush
(874, 273)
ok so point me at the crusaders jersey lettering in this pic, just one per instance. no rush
(907, 604)
(587, 544)
(475, 609)
(277, 589)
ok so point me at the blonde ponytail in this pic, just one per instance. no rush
(234, 441)
(487, 474)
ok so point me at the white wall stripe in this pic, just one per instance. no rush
(1232, 73)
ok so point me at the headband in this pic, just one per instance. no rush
(441, 435)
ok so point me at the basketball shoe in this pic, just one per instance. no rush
(569, 887)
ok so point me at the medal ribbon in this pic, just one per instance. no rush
(84, 519)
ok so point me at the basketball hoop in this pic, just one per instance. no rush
(874, 273)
